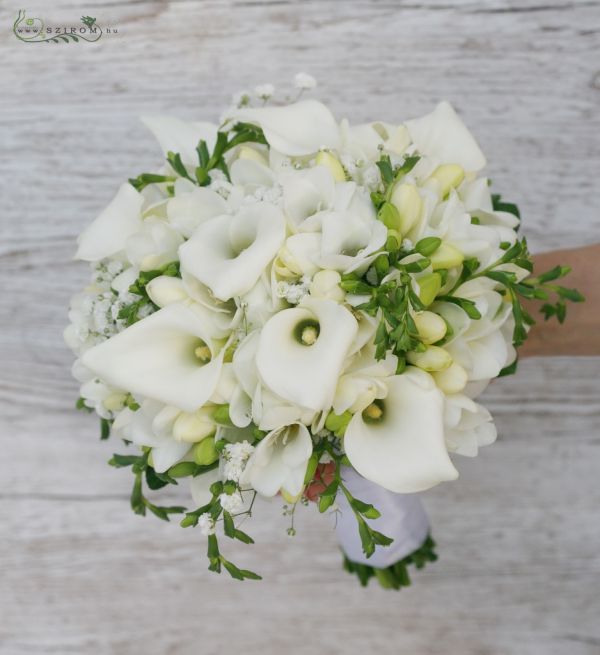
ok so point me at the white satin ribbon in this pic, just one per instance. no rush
(402, 518)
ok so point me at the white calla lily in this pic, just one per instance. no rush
(107, 235)
(400, 444)
(443, 136)
(229, 253)
(302, 351)
(294, 130)
(171, 356)
(175, 135)
(307, 192)
(279, 461)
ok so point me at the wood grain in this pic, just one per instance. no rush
(519, 532)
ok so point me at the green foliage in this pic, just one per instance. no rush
(395, 576)
(141, 470)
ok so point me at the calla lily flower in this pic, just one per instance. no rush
(279, 461)
(294, 130)
(173, 356)
(301, 351)
(398, 442)
(154, 245)
(229, 253)
(443, 136)
(307, 192)
(175, 135)
(107, 235)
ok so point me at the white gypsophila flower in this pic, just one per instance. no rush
(264, 91)
(206, 524)
(304, 81)
(234, 458)
(231, 502)
(294, 292)
(94, 313)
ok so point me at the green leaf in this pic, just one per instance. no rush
(243, 537)
(121, 461)
(80, 404)
(325, 502)
(366, 509)
(468, 306)
(228, 525)
(508, 370)
(381, 539)
(232, 569)
(153, 481)
(105, 425)
(250, 575)
(366, 538)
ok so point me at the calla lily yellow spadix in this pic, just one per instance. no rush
(295, 307)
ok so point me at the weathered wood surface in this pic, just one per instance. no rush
(519, 533)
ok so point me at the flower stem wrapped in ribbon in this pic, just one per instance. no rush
(299, 307)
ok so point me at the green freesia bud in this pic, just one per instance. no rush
(451, 380)
(430, 326)
(182, 470)
(429, 287)
(337, 423)
(382, 265)
(221, 415)
(446, 177)
(446, 256)
(394, 240)
(205, 452)
(408, 203)
(433, 358)
(326, 159)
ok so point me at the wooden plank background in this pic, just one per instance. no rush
(519, 533)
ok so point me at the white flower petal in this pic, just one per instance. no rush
(405, 452)
(443, 136)
(306, 375)
(294, 130)
(200, 486)
(165, 290)
(107, 234)
(229, 253)
(187, 211)
(179, 136)
(155, 357)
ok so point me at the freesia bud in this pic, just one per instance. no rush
(407, 201)
(326, 285)
(193, 427)
(451, 380)
(446, 177)
(446, 256)
(431, 326)
(205, 452)
(246, 152)
(433, 358)
(326, 159)
(114, 402)
(429, 287)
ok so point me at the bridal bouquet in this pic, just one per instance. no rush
(297, 306)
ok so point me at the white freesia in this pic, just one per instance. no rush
(229, 253)
(302, 350)
(156, 357)
(403, 449)
(141, 428)
(107, 235)
(279, 461)
(186, 211)
(295, 130)
(469, 426)
(154, 246)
